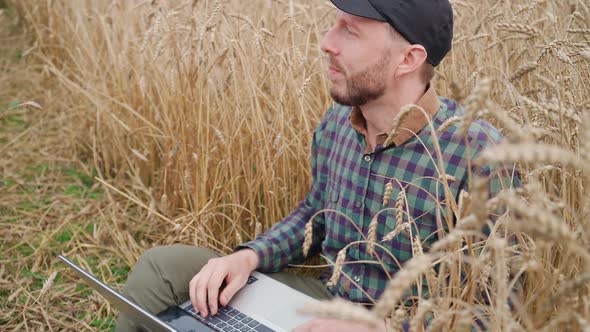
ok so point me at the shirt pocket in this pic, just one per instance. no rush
(337, 215)
(333, 196)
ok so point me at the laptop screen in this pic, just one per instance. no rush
(132, 310)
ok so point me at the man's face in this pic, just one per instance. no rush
(362, 57)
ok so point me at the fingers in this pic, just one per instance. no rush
(192, 291)
(213, 290)
(233, 286)
(204, 288)
(201, 291)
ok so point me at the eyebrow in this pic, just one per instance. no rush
(352, 24)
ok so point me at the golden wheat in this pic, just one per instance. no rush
(213, 111)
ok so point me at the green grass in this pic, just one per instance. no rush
(38, 279)
(3, 5)
(84, 290)
(24, 249)
(7, 182)
(11, 56)
(64, 237)
(32, 190)
(83, 186)
(86, 179)
(13, 122)
(120, 272)
(105, 324)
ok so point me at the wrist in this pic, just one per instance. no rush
(251, 258)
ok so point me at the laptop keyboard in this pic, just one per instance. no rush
(229, 319)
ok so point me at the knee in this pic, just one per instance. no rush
(162, 255)
(170, 257)
(174, 265)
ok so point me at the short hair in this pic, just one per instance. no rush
(427, 70)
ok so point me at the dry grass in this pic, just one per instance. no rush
(190, 121)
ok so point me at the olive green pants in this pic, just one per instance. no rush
(161, 276)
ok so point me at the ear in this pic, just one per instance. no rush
(414, 57)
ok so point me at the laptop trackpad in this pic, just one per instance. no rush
(287, 317)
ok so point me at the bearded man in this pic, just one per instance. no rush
(382, 55)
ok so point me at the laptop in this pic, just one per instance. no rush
(262, 305)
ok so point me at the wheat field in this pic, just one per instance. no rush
(131, 124)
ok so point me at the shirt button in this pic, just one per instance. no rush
(356, 278)
(368, 158)
(358, 204)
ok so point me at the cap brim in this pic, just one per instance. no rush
(361, 8)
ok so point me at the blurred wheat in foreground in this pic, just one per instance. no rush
(196, 117)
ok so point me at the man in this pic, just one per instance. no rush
(382, 55)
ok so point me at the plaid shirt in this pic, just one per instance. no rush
(349, 180)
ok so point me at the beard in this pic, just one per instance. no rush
(364, 86)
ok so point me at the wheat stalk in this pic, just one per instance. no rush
(401, 281)
(523, 70)
(164, 203)
(239, 239)
(449, 123)
(546, 225)
(474, 104)
(531, 153)
(258, 231)
(399, 119)
(397, 321)
(396, 231)
(372, 235)
(47, 283)
(417, 322)
(518, 28)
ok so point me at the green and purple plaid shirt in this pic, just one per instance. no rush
(349, 179)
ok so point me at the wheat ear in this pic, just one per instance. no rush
(474, 103)
(417, 322)
(396, 323)
(400, 282)
(545, 225)
(340, 258)
(372, 235)
(531, 153)
(308, 237)
(341, 309)
(399, 119)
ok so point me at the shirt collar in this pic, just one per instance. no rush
(413, 123)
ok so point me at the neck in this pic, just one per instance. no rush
(380, 114)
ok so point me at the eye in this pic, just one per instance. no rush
(347, 29)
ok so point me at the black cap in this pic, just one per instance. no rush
(425, 22)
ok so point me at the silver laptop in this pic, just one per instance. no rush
(262, 305)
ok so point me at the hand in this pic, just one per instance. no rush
(337, 325)
(234, 269)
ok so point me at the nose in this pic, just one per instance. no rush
(327, 44)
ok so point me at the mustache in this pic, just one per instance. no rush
(331, 62)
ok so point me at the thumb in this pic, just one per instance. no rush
(234, 285)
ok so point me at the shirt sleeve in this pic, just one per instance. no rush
(282, 244)
(499, 177)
